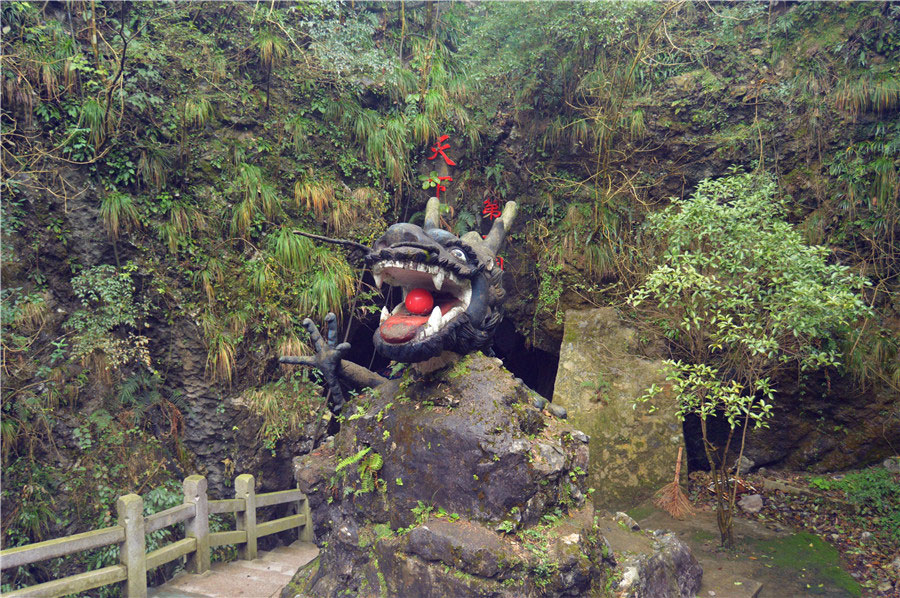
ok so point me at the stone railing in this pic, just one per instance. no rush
(129, 534)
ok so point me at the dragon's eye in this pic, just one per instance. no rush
(458, 254)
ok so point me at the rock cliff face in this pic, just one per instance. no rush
(450, 484)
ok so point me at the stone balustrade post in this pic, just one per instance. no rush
(306, 532)
(245, 488)
(132, 553)
(197, 527)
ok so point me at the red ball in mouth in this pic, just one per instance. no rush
(419, 302)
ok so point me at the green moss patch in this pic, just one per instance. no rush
(807, 557)
(640, 512)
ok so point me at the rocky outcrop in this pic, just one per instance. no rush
(451, 484)
(827, 426)
(601, 375)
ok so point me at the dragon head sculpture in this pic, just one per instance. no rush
(457, 280)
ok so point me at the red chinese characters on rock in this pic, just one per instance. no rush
(491, 209)
(440, 185)
(439, 149)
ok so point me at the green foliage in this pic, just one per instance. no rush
(701, 391)
(105, 327)
(737, 286)
(353, 459)
(285, 406)
(740, 296)
(368, 469)
(92, 114)
(875, 491)
(550, 290)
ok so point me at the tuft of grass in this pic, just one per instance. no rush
(169, 235)
(118, 213)
(424, 128)
(30, 313)
(341, 216)
(297, 128)
(402, 83)
(92, 118)
(220, 361)
(262, 279)
(292, 345)
(197, 112)
(242, 217)
(435, 103)
(237, 323)
(316, 196)
(204, 279)
(366, 123)
(290, 250)
(637, 128)
(154, 163)
(272, 49)
(330, 284)
(268, 201)
(855, 96)
(285, 406)
(209, 277)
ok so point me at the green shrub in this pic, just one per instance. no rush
(876, 492)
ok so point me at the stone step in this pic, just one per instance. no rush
(263, 577)
(275, 567)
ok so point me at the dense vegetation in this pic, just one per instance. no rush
(156, 158)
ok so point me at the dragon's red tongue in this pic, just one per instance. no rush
(401, 328)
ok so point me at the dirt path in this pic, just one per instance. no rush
(785, 563)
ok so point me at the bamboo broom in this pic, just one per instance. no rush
(670, 497)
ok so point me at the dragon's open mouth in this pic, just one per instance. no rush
(451, 295)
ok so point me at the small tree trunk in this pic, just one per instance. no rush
(429, 15)
(719, 474)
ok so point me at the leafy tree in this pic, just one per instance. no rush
(741, 298)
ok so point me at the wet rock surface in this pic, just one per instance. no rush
(452, 484)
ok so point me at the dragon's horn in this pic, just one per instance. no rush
(432, 213)
(495, 238)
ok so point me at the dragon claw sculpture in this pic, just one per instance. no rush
(458, 305)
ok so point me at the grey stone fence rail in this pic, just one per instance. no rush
(129, 534)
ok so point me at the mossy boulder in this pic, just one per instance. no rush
(601, 375)
(452, 484)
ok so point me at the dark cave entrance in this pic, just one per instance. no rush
(536, 367)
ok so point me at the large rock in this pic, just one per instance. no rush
(601, 375)
(451, 484)
(650, 564)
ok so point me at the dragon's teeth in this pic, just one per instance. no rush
(438, 279)
(377, 278)
(385, 314)
(434, 320)
(397, 309)
(451, 314)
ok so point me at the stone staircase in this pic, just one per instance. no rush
(263, 577)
